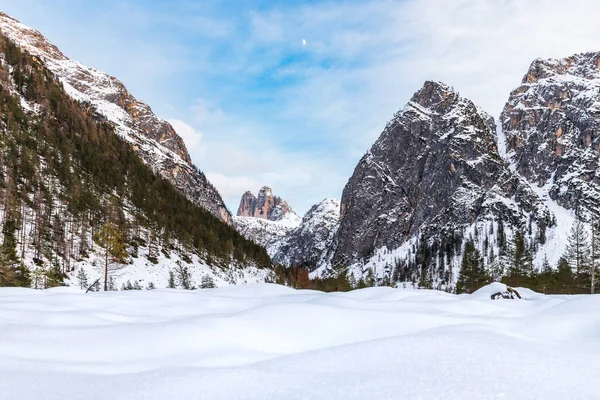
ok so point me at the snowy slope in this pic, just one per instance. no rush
(267, 233)
(272, 342)
(154, 139)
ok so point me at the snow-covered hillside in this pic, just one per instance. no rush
(272, 342)
(267, 233)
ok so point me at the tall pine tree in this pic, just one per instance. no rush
(577, 251)
(472, 274)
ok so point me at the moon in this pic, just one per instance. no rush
(303, 42)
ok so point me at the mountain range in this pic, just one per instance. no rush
(442, 173)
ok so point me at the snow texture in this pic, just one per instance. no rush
(272, 342)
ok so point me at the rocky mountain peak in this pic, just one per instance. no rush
(265, 206)
(264, 193)
(435, 168)
(551, 123)
(436, 96)
(584, 65)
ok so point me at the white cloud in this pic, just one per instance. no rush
(231, 188)
(366, 60)
(205, 112)
(190, 136)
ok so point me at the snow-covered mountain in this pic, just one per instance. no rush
(152, 138)
(265, 219)
(311, 242)
(552, 126)
(267, 206)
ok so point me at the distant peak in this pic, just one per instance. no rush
(265, 205)
(265, 190)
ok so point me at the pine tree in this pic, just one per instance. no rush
(577, 251)
(501, 238)
(82, 278)
(207, 282)
(564, 277)
(595, 255)
(520, 267)
(171, 284)
(424, 278)
(112, 239)
(184, 277)
(546, 275)
(150, 286)
(12, 271)
(472, 273)
(112, 285)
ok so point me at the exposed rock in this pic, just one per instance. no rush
(265, 206)
(154, 139)
(508, 294)
(552, 128)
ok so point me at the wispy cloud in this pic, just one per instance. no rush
(272, 111)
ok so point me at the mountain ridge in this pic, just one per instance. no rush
(153, 138)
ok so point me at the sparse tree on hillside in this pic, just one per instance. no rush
(184, 276)
(207, 282)
(82, 278)
(112, 240)
(171, 284)
(302, 280)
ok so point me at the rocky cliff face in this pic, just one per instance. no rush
(552, 128)
(154, 139)
(434, 171)
(265, 206)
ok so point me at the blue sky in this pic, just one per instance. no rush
(256, 106)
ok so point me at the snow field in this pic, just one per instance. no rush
(266, 341)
